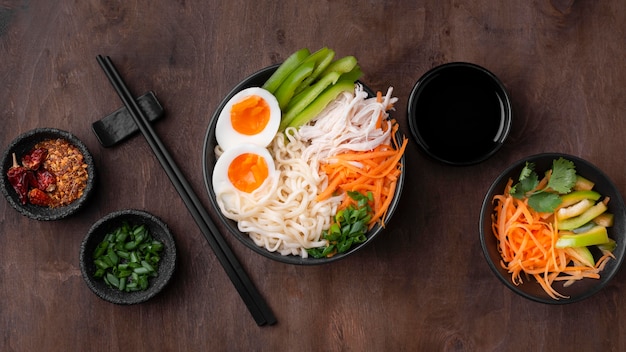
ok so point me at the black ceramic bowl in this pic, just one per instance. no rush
(459, 113)
(21, 146)
(208, 159)
(530, 288)
(156, 228)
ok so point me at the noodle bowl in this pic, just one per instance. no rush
(283, 219)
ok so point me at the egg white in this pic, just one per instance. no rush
(227, 137)
(226, 193)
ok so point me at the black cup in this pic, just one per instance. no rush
(459, 113)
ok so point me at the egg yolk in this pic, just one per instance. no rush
(250, 115)
(247, 172)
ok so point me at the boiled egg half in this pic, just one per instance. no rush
(251, 116)
(242, 169)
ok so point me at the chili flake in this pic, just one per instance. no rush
(67, 164)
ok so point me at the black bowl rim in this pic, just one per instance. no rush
(231, 225)
(37, 212)
(166, 269)
(413, 101)
(487, 208)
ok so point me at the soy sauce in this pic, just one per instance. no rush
(460, 114)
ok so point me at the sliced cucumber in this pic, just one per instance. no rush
(597, 235)
(580, 220)
(583, 254)
(574, 209)
(576, 196)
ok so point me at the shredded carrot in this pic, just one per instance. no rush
(335, 180)
(379, 120)
(376, 171)
(527, 241)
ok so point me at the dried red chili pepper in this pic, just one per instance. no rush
(46, 180)
(32, 179)
(20, 178)
(38, 197)
(35, 158)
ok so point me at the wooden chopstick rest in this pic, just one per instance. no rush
(119, 125)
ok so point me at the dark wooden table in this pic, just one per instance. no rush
(423, 285)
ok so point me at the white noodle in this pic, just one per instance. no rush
(286, 219)
(284, 216)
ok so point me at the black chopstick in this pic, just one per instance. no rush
(252, 298)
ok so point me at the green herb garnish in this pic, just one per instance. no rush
(127, 257)
(349, 227)
(546, 199)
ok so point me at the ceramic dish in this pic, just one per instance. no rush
(21, 146)
(459, 113)
(109, 223)
(208, 159)
(530, 288)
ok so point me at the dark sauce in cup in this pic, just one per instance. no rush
(459, 113)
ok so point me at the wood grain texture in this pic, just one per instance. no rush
(422, 286)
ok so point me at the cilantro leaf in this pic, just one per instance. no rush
(563, 176)
(528, 180)
(544, 202)
(527, 171)
(546, 199)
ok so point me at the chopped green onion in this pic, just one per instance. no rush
(141, 270)
(349, 227)
(126, 258)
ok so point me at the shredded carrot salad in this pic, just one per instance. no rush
(527, 241)
(377, 171)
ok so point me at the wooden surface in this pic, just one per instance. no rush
(424, 285)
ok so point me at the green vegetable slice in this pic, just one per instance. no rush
(574, 209)
(583, 254)
(286, 90)
(320, 103)
(597, 235)
(322, 58)
(353, 75)
(609, 246)
(337, 69)
(583, 184)
(605, 219)
(281, 73)
(302, 100)
(577, 196)
(341, 65)
(582, 219)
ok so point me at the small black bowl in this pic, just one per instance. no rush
(208, 162)
(459, 113)
(530, 288)
(156, 228)
(21, 146)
